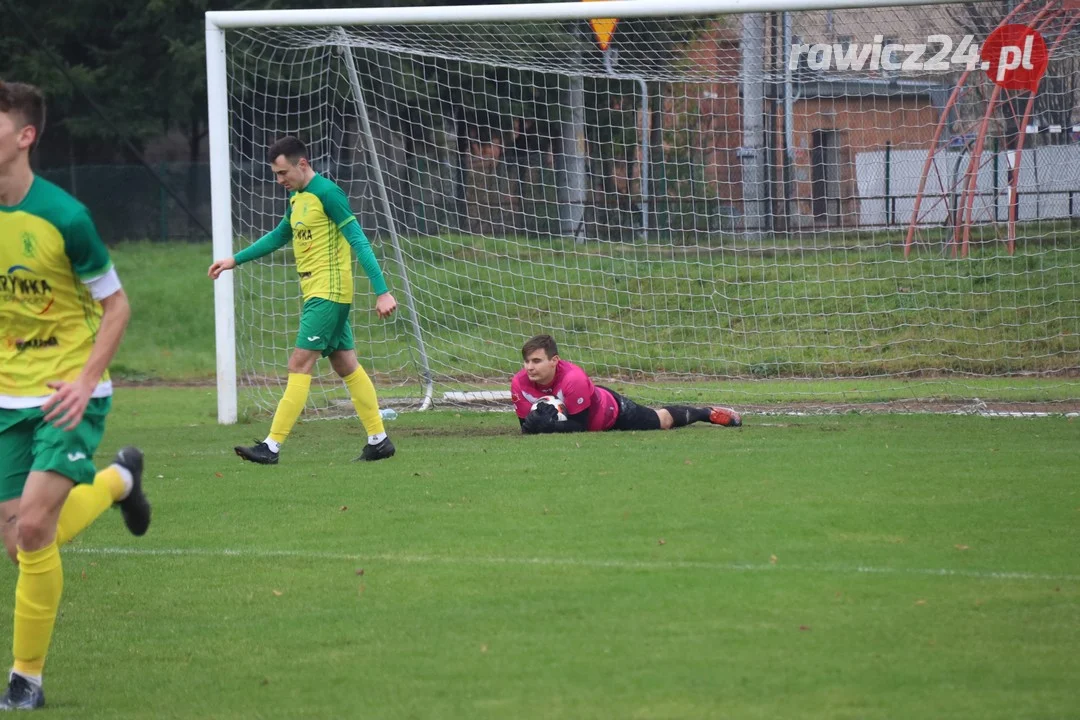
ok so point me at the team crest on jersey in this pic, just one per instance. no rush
(28, 244)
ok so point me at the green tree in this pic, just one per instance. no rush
(146, 71)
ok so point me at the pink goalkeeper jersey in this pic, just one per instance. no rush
(574, 388)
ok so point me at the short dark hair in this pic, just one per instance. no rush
(290, 147)
(540, 342)
(25, 101)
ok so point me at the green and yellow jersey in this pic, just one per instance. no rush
(49, 251)
(322, 227)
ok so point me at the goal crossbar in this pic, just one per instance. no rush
(527, 12)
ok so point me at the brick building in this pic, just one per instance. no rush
(835, 115)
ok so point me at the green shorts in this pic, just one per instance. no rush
(29, 443)
(324, 326)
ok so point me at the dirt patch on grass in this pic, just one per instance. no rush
(1004, 409)
(492, 430)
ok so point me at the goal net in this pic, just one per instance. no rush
(839, 202)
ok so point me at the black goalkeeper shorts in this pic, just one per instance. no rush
(632, 416)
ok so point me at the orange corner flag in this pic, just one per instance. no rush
(603, 28)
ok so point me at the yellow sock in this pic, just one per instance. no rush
(364, 400)
(37, 598)
(86, 502)
(291, 405)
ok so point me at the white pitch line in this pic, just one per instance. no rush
(571, 562)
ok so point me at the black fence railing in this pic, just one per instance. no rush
(128, 203)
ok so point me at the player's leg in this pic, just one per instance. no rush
(366, 403)
(361, 392)
(17, 445)
(16, 449)
(288, 411)
(636, 417)
(38, 589)
(681, 415)
(9, 514)
(61, 459)
(633, 416)
(318, 319)
(301, 363)
(119, 483)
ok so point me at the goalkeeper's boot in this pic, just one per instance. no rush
(135, 507)
(22, 695)
(259, 453)
(378, 451)
(724, 416)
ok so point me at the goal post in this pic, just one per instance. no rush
(221, 222)
(732, 191)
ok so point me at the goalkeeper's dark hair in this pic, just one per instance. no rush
(540, 342)
(289, 146)
(27, 102)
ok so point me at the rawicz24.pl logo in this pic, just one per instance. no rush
(1013, 56)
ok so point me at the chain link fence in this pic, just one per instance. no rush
(128, 203)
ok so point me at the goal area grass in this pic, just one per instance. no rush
(1015, 316)
(811, 567)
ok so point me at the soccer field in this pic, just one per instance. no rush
(896, 566)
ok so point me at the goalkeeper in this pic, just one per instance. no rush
(590, 407)
(321, 226)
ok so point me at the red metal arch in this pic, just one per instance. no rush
(1066, 13)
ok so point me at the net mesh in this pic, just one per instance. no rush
(698, 205)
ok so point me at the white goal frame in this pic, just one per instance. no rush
(217, 22)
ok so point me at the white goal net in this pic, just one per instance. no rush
(713, 199)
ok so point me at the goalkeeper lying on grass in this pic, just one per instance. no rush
(589, 407)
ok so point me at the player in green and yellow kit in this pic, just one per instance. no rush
(322, 227)
(62, 315)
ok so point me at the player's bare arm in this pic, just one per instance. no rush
(385, 305)
(66, 406)
(221, 266)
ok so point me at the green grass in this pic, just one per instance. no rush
(782, 395)
(677, 320)
(708, 313)
(824, 567)
(171, 333)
